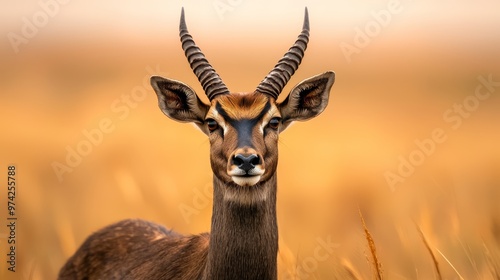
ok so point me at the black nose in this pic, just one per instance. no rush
(246, 163)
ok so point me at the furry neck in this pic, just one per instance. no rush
(244, 233)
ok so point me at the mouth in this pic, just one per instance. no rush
(246, 180)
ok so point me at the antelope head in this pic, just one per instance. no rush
(243, 127)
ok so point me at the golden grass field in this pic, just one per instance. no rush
(89, 66)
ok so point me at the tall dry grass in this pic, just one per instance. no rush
(376, 264)
(431, 253)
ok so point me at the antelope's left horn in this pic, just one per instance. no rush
(276, 80)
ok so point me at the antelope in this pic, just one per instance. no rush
(243, 129)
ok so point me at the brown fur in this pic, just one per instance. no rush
(243, 105)
(243, 130)
(125, 250)
(243, 243)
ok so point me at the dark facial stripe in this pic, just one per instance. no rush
(265, 110)
(243, 127)
(223, 113)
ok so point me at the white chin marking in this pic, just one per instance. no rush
(246, 181)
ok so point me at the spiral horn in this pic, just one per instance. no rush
(276, 80)
(210, 81)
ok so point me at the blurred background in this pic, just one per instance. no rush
(410, 138)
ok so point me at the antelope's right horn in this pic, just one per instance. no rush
(209, 79)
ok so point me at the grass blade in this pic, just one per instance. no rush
(371, 244)
(428, 247)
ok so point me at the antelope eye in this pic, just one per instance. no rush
(212, 124)
(274, 123)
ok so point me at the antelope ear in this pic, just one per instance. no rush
(179, 102)
(307, 99)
